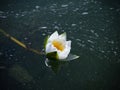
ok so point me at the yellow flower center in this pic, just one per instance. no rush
(59, 45)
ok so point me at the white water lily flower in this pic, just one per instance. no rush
(57, 47)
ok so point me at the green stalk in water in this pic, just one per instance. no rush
(20, 43)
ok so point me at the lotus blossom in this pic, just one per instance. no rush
(57, 47)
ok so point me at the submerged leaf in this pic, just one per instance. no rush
(20, 74)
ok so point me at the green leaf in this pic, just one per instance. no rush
(70, 57)
(52, 56)
(45, 41)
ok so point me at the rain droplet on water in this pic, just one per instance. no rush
(11, 55)
(84, 13)
(78, 39)
(37, 7)
(43, 34)
(43, 27)
(25, 38)
(56, 27)
(73, 25)
(64, 5)
(90, 41)
(96, 35)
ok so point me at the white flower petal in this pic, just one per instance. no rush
(53, 43)
(64, 54)
(53, 36)
(63, 36)
(68, 43)
(50, 48)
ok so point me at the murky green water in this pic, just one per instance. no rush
(93, 27)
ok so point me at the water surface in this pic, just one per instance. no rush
(93, 27)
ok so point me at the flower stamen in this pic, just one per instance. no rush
(59, 45)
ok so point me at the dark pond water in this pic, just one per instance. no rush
(92, 25)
